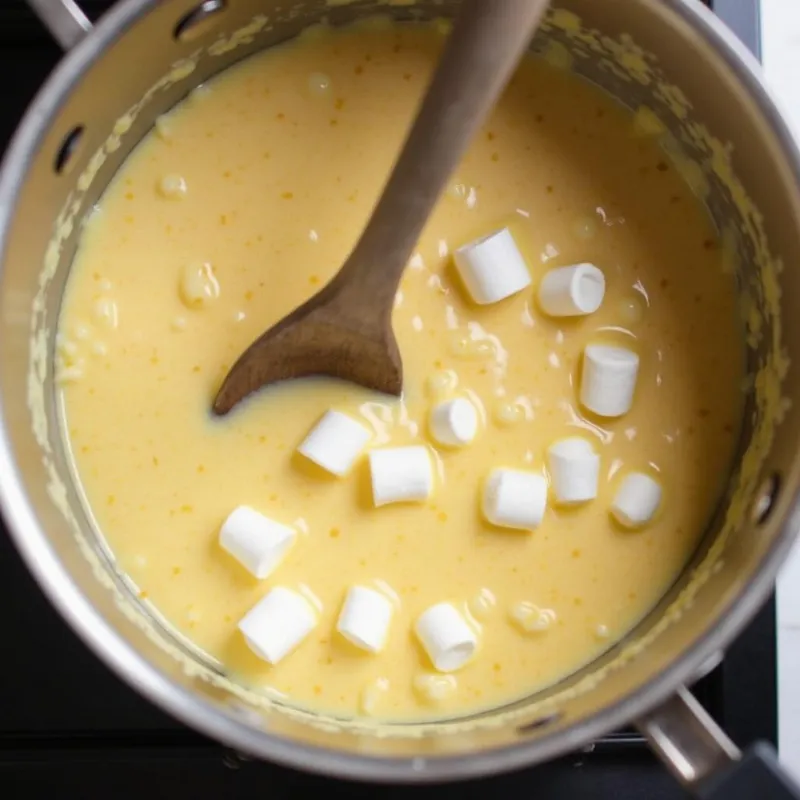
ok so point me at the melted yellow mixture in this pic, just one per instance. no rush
(252, 193)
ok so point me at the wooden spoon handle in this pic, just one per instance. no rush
(487, 41)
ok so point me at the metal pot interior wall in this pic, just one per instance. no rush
(755, 205)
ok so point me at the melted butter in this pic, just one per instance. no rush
(160, 476)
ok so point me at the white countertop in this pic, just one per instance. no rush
(781, 55)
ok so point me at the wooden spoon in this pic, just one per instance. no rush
(345, 330)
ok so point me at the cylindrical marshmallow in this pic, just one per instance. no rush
(608, 379)
(400, 474)
(255, 541)
(515, 498)
(365, 617)
(454, 423)
(277, 624)
(637, 500)
(446, 636)
(492, 268)
(335, 442)
(574, 470)
(572, 291)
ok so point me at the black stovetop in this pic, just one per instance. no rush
(71, 729)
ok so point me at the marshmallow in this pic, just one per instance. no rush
(515, 498)
(172, 187)
(636, 501)
(400, 474)
(454, 423)
(335, 442)
(574, 470)
(277, 624)
(198, 285)
(572, 291)
(434, 688)
(255, 541)
(608, 379)
(447, 638)
(492, 268)
(372, 695)
(530, 618)
(364, 618)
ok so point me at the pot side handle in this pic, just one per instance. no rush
(699, 753)
(64, 19)
(757, 775)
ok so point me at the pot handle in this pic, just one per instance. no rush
(64, 19)
(706, 761)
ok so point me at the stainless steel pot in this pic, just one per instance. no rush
(697, 89)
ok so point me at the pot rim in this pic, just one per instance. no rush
(112, 649)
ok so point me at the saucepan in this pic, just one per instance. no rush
(695, 87)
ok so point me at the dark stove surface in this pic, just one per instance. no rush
(71, 729)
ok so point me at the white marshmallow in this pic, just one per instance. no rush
(454, 423)
(447, 638)
(277, 624)
(515, 498)
(492, 268)
(335, 442)
(572, 291)
(258, 543)
(400, 474)
(433, 688)
(365, 617)
(608, 379)
(531, 618)
(574, 470)
(637, 500)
